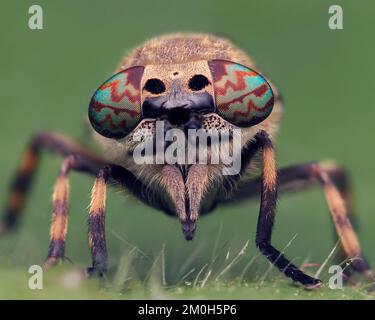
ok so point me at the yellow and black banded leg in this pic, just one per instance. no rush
(60, 205)
(77, 158)
(21, 183)
(337, 189)
(339, 206)
(267, 213)
(96, 224)
(19, 187)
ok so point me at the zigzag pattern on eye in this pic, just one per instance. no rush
(258, 92)
(243, 96)
(98, 106)
(108, 118)
(115, 106)
(116, 96)
(241, 85)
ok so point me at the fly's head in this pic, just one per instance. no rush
(215, 95)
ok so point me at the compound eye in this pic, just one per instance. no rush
(243, 97)
(115, 107)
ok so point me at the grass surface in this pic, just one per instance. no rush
(326, 78)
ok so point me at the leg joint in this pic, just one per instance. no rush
(262, 244)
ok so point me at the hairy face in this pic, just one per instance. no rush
(213, 98)
(179, 95)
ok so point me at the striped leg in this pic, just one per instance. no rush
(337, 189)
(20, 186)
(60, 204)
(339, 210)
(77, 158)
(97, 224)
(267, 216)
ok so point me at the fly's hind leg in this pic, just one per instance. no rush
(76, 158)
(337, 189)
(340, 209)
(19, 187)
(22, 181)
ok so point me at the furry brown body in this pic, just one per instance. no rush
(167, 55)
(185, 191)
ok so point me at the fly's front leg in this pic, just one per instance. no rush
(96, 223)
(60, 205)
(267, 214)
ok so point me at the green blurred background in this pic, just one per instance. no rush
(326, 79)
